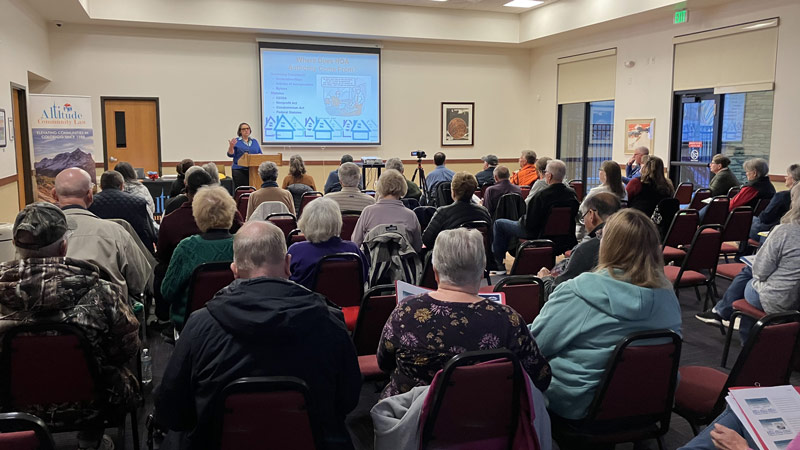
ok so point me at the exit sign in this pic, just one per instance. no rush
(681, 16)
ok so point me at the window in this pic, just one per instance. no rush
(585, 138)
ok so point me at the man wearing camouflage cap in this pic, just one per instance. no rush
(46, 286)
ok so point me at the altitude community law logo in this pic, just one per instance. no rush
(61, 115)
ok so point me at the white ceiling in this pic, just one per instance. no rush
(475, 5)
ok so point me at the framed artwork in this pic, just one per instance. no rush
(639, 133)
(458, 124)
(3, 132)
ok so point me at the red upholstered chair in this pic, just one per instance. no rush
(680, 233)
(732, 192)
(740, 307)
(376, 307)
(295, 236)
(469, 404)
(524, 294)
(261, 413)
(349, 219)
(207, 279)
(634, 398)
(716, 211)
(702, 256)
(68, 374)
(684, 193)
(20, 431)
(307, 198)
(340, 278)
(532, 256)
(241, 203)
(577, 186)
(737, 228)
(242, 190)
(761, 205)
(428, 277)
(766, 360)
(560, 226)
(524, 191)
(730, 270)
(698, 197)
(285, 221)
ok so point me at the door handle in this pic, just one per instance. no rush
(112, 159)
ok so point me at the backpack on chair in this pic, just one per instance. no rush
(391, 256)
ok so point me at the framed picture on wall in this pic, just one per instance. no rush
(3, 132)
(458, 124)
(639, 133)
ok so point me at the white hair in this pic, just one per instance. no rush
(459, 257)
(557, 168)
(392, 183)
(268, 171)
(258, 244)
(395, 163)
(349, 174)
(321, 220)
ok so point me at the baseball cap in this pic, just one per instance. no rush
(490, 160)
(39, 225)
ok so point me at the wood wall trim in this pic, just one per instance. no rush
(321, 162)
(9, 179)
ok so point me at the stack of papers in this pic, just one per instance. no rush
(770, 415)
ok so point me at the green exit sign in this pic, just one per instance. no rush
(681, 16)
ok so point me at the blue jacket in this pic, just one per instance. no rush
(581, 324)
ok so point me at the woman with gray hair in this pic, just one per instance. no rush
(757, 187)
(426, 330)
(321, 224)
(413, 190)
(269, 192)
(781, 203)
(390, 188)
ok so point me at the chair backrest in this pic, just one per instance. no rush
(295, 236)
(285, 221)
(532, 256)
(340, 278)
(761, 205)
(424, 215)
(307, 198)
(663, 214)
(242, 190)
(206, 280)
(370, 192)
(428, 278)
(511, 206)
(241, 203)
(524, 191)
(638, 385)
(682, 229)
(67, 373)
(349, 219)
(559, 222)
(264, 209)
(716, 211)
(732, 192)
(577, 186)
(470, 403)
(376, 307)
(684, 193)
(524, 294)
(264, 413)
(737, 226)
(485, 228)
(698, 197)
(703, 253)
(444, 195)
(21, 431)
(410, 203)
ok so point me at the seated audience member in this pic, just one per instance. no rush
(101, 242)
(584, 257)
(723, 179)
(175, 202)
(646, 191)
(269, 192)
(758, 186)
(213, 209)
(426, 330)
(462, 210)
(134, 186)
(610, 181)
(486, 176)
(46, 286)
(321, 223)
(440, 174)
(297, 174)
(727, 432)
(541, 183)
(532, 224)
(332, 184)
(262, 324)
(413, 190)
(527, 173)
(772, 283)
(112, 202)
(635, 164)
(500, 188)
(587, 316)
(350, 197)
(212, 170)
(178, 185)
(781, 203)
(390, 188)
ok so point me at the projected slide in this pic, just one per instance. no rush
(320, 95)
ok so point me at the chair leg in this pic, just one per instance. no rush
(660, 441)
(728, 338)
(697, 292)
(135, 429)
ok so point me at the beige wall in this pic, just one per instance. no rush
(8, 202)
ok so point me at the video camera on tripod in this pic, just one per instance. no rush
(419, 154)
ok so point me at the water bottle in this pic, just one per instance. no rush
(147, 367)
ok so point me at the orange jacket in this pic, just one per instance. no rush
(525, 176)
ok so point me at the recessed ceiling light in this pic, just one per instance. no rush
(523, 3)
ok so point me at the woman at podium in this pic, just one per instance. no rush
(237, 147)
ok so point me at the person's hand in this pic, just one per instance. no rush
(543, 272)
(726, 439)
(232, 142)
(630, 161)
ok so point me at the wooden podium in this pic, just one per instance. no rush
(253, 161)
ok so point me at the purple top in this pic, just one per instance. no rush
(306, 255)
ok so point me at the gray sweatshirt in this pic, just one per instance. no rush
(776, 271)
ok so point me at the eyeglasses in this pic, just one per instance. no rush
(583, 217)
(245, 128)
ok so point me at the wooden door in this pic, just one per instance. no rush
(131, 133)
(25, 179)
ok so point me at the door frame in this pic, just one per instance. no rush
(675, 163)
(25, 180)
(158, 125)
(587, 133)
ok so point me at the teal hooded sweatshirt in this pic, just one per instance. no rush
(581, 324)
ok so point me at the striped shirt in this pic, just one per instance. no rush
(351, 199)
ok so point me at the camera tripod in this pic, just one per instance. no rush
(419, 170)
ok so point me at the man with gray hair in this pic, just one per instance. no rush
(101, 242)
(332, 184)
(47, 286)
(501, 187)
(270, 191)
(633, 169)
(350, 197)
(413, 190)
(262, 324)
(532, 224)
(114, 203)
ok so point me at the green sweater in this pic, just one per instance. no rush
(190, 253)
